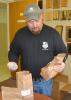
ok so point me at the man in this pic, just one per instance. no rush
(37, 44)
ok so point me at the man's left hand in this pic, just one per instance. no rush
(59, 67)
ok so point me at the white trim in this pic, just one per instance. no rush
(8, 39)
(21, 21)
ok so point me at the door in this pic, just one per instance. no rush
(16, 18)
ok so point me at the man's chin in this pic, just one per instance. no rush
(36, 32)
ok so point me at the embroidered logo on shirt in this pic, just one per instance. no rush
(44, 46)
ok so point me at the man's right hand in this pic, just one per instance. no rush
(12, 66)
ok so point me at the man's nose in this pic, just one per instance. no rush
(34, 24)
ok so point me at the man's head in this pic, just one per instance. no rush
(34, 17)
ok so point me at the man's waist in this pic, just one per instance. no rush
(37, 78)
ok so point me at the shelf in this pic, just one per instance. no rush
(56, 10)
(55, 3)
(57, 14)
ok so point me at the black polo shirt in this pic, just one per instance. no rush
(36, 50)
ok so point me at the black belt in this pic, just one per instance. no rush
(39, 78)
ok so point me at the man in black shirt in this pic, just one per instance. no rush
(37, 44)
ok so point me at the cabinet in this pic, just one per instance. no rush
(68, 38)
(56, 12)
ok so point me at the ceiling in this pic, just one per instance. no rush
(8, 1)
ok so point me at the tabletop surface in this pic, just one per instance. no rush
(12, 83)
(37, 96)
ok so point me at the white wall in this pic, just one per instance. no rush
(69, 3)
(4, 72)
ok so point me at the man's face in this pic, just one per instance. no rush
(35, 26)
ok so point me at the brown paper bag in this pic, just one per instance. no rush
(24, 83)
(44, 71)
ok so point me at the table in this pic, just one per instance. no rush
(36, 97)
(12, 83)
